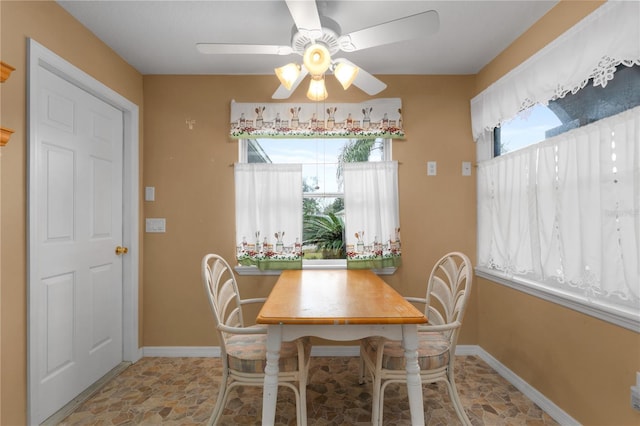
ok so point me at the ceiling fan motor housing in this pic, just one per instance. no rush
(300, 40)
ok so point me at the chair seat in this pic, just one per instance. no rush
(248, 353)
(433, 351)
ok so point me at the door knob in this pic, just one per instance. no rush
(121, 250)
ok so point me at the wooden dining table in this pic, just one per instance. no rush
(340, 305)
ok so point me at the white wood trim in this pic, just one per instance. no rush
(40, 56)
(308, 265)
(529, 391)
(181, 351)
(214, 351)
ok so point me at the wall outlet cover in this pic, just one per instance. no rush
(431, 168)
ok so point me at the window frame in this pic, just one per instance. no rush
(312, 264)
(577, 302)
(620, 94)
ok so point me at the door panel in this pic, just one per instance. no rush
(57, 291)
(78, 312)
(59, 168)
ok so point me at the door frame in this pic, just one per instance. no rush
(40, 56)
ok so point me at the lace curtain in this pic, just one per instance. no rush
(269, 215)
(592, 49)
(371, 212)
(565, 213)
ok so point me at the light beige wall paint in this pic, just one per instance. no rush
(437, 214)
(51, 26)
(582, 364)
(192, 173)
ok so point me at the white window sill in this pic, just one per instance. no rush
(629, 320)
(309, 265)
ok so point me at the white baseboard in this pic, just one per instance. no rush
(461, 350)
(182, 351)
(214, 351)
(529, 391)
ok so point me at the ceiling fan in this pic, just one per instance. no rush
(316, 38)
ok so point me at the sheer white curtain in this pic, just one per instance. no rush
(269, 215)
(591, 49)
(371, 214)
(565, 213)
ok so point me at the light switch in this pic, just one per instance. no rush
(431, 168)
(155, 224)
(466, 168)
(149, 193)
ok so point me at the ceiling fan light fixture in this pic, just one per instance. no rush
(316, 59)
(317, 90)
(346, 74)
(288, 74)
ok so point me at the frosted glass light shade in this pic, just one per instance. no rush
(288, 74)
(317, 90)
(345, 73)
(316, 59)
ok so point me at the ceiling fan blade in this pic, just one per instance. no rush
(242, 49)
(282, 92)
(365, 81)
(412, 27)
(305, 15)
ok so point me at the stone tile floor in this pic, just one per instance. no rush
(183, 391)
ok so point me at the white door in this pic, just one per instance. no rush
(76, 295)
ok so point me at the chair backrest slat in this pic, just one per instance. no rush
(448, 291)
(222, 291)
(227, 298)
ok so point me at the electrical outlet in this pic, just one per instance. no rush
(431, 168)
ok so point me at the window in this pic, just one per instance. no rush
(558, 213)
(560, 218)
(322, 184)
(589, 104)
(323, 214)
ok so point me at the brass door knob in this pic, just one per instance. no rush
(121, 250)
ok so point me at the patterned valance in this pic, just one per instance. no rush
(378, 118)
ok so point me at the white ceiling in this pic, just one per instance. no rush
(159, 37)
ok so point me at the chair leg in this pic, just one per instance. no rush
(222, 397)
(377, 401)
(303, 402)
(457, 404)
(296, 395)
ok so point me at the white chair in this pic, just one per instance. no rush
(242, 348)
(448, 290)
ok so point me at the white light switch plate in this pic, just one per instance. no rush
(149, 193)
(466, 168)
(156, 225)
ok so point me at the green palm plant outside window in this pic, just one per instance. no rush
(326, 232)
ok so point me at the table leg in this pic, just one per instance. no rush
(414, 383)
(270, 389)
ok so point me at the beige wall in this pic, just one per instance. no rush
(193, 176)
(584, 365)
(51, 26)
